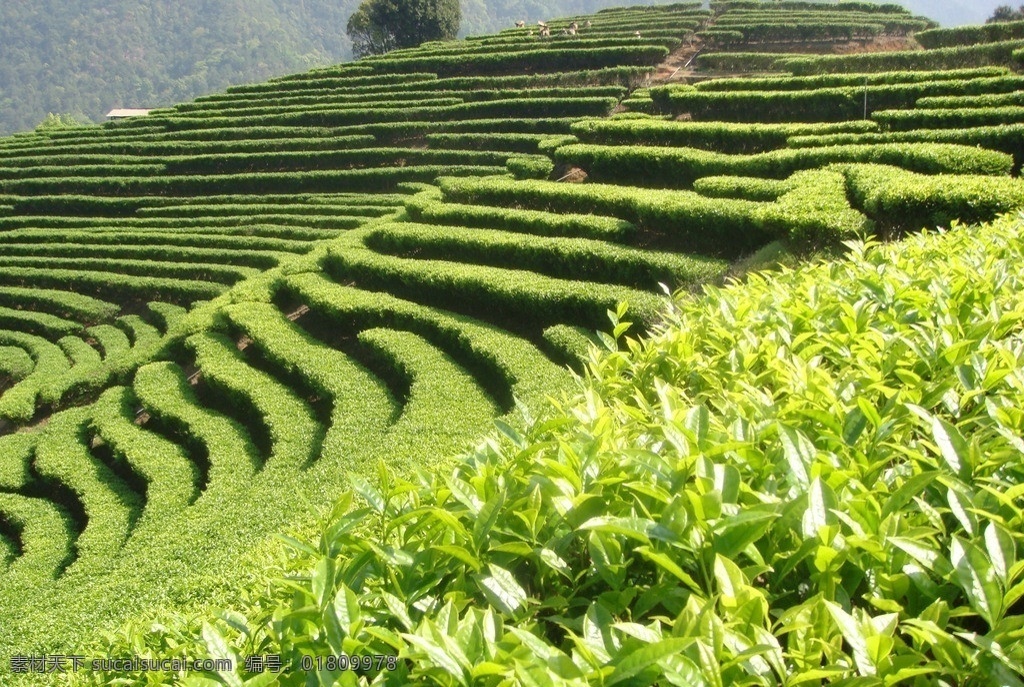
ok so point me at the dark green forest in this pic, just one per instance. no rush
(87, 57)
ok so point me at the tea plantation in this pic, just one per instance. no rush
(246, 343)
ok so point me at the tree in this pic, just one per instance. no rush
(61, 121)
(1006, 13)
(378, 26)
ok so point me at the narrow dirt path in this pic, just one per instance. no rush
(677, 65)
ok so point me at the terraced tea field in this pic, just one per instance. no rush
(215, 317)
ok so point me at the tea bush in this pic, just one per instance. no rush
(804, 477)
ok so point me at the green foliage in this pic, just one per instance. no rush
(814, 211)
(783, 31)
(955, 118)
(517, 143)
(18, 402)
(986, 100)
(1006, 138)
(291, 430)
(830, 104)
(1005, 13)
(340, 334)
(787, 83)
(112, 286)
(530, 166)
(109, 505)
(720, 38)
(66, 304)
(686, 218)
(224, 274)
(59, 121)
(904, 201)
(833, 496)
(958, 57)
(505, 364)
(509, 297)
(551, 58)
(732, 6)
(721, 137)
(40, 323)
(742, 188)
(15, 363)
(583, 259)
(570, 344)
(428, 208)
(171, 478)
(44, 537)
(367, 180)
(679, 167)
(971, 35)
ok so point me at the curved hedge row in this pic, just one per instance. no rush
(168, 146)
(138, 248)
(583, 259)
(799, 83)
(971, 35)
(514, 298)
(430, 209)
(952, 102)
(122, 267)
(361, 408)
(508, 365)
(818, 105)
(551, 59)
(1000, 53)
(743, 32)
(15, 364)
(253, 396)
(743, 188)
(39, 323)
(905, 201)
(957, 118)
(227, 451)
(723, 137)
(112, 286)
(722, 6)
(679, 167)
(359, 119)
(63, 303)
(111, 505)
(369, 180)
(171, 478)
(1006, 138)
(308, 79)
(814, 210)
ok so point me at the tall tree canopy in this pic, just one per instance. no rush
(378, 26)
(1006, 13)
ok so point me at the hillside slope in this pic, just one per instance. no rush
(86, 58)
(215, 317)
(796, 479)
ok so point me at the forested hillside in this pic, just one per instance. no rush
(86, 57)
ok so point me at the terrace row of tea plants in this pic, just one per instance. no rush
(225, 310)
(178, 437)
(810, 478)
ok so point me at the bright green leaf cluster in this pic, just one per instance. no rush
(813, 476)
